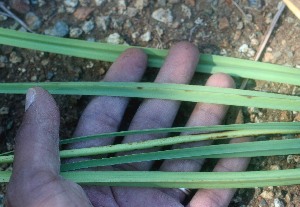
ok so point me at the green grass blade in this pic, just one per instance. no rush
(163, 142)
(192, 180)
(194, 130)
(181, 92)
(248, 149)
(169, 141)
(250, 129)
(108, 52)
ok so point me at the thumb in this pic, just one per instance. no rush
(37, 141)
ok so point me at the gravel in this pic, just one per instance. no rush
(60, 29)
(163, 15)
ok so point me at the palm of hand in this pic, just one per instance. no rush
(36, 181)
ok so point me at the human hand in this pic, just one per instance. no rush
(35, 180)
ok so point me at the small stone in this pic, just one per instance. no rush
(274, 167)
(244, 48)
(117, 23)
(278, 203)
(268, 57)
(248, 19)
(33, 21)
(121, 6)
(240, 25)
(50, 75)
(163, 15)
(88, 26)
(131, 11)
(33, 78)
(141, 4)
(4, 110)
(60, 29)
(89, 65)
(161, 2)
(254, 42)
(3, 60)
(263, 203)
(289, 54)
(250, 52)
(99, 2)
(237, 35)
(91, 39)
(102, 22)
(267, 195)
(173, 1)
(101, 71)
(84, 2)
(199, 21)
(41, 3)
(146, 37)
(186, 11)
(190, 2)
(134, 35)
(75, 32)
(255, 3)
(20, 6)
(285, 116)
(128, 24)
(223, 23)
(14, 58)
(290, 20)
(277, 54)
(159, 30)
(269, 18)
(114, 38)
(71, 3)
(83, 13)
(3, 17)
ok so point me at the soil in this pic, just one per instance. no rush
(214, 26)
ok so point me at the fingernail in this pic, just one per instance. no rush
(30, 98)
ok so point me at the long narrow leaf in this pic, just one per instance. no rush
(169, 141)
(162, 142)
(249, 149)
(108, 52)
(193, 130)
(192, 180)
(181, 92)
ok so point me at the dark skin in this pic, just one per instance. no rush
(35, 180)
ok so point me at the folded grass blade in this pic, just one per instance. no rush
(192, 130)
(249, 149)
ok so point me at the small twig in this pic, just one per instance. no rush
(266, 39)
(12, 15)
(240, 9)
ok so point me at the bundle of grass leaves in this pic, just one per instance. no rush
(209, 64)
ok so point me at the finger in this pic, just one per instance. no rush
(221, 197)
(202, 115)
(179, 67)
(37, 143)
(104, 114)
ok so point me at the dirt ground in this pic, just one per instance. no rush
(214, 26)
